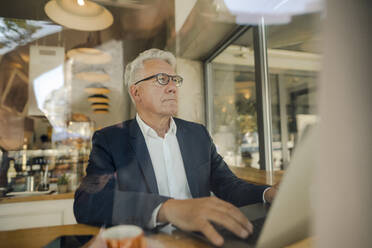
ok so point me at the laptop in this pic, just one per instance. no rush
(288, 219)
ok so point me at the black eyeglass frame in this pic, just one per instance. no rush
(178, 82)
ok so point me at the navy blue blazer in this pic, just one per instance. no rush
(120, 186)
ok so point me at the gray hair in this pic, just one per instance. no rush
(132, 69)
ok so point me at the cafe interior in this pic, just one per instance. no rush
(257, 74)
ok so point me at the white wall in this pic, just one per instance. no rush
(191, 94)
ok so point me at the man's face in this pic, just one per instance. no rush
(150, 96)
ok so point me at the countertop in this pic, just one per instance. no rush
(4, 200)
(248, 174)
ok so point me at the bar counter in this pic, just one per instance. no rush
(39, 237)
(248, 174)
(4, 200)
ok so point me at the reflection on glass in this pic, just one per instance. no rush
(16, 32)
(250, 12)
(46, 84)
(294, 63)
(46, 120)
(235, 114)
(294, 60)
(15, 95)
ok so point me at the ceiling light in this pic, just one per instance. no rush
(272, 11)
(81, 2)
(97, 105)
(79, 14)
(100, 111)
(97, 90)
(98, 98)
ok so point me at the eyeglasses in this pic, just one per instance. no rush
(163, 79)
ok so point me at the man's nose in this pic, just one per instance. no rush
(171, 87)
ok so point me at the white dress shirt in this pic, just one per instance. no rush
(167, 162)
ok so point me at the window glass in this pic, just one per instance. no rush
(294, 60)
(57, 87)
(234, 105)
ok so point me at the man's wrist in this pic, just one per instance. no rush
(153, 221)
(162, 217)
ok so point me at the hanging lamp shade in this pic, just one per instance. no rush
(100, 105)
(92, 76)
(79, 14)
(100, 111)
(90, 56)
(98, 98)
(87, 53)
(97, 90)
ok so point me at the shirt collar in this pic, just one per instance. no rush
(149, 131)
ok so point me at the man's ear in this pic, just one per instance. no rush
(134, 92)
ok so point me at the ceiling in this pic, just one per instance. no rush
(302, 34)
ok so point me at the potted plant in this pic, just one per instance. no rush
(62, 184)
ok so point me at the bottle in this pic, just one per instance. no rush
(24, 155)
(12, 173)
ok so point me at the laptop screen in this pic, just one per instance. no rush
(288, 220)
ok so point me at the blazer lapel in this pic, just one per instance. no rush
(191, 172)
(138, 144)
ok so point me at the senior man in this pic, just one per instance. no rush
(157, 169)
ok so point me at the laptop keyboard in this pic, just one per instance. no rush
(251, 239)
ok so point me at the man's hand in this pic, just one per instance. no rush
(196, 214)
(271, 192)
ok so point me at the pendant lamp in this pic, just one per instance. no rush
(98, 98)
(91, 89)
(102, 105)
(100, 111)
(82, 15)
(88, 55)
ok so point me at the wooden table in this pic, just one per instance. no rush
(39, 237)
(257, 176)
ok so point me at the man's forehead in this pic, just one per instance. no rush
(153, 66)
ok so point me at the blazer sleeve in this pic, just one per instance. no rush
(225, 185)
(98, 201)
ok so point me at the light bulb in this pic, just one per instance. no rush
(81, 2)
